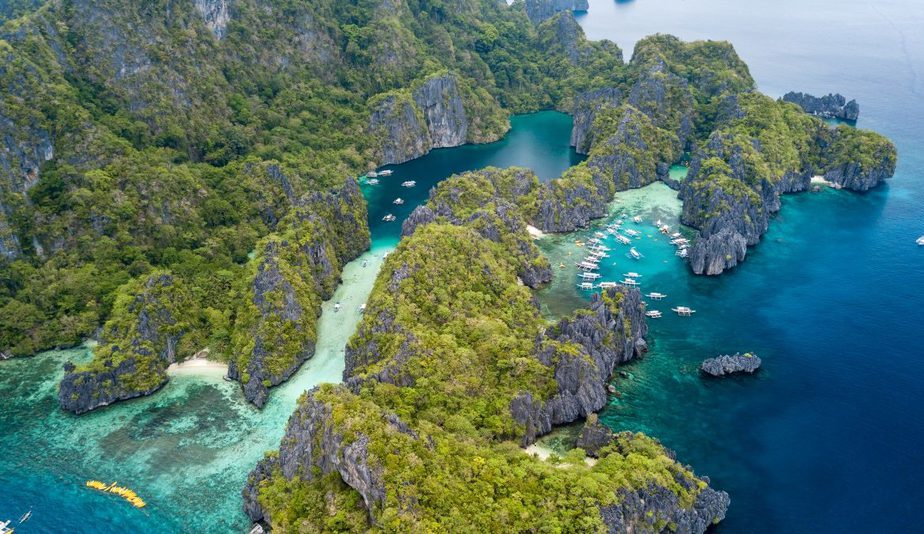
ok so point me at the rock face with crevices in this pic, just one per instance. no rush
(433, 114)
(831, 106)
(609, 332)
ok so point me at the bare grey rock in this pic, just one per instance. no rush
(832, 106)
(746, 363)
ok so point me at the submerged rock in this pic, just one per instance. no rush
(746, 363)
(833, 106)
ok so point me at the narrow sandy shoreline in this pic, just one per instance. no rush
(198, 366)
(535, 232)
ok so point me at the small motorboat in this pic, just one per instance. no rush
(634, 254)
(336, 307)
(409, 183)
(373, 181)
(385, 173)
(398, 201)
(25, 517)
(389, 218)
(372, 174)
(636, 219)
(362, 307)
(920, 241)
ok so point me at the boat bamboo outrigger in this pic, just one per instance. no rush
(654, 314)
(388, 218)
(409, 183)
(398, 201)
(634, 254)
(683, 311)
(373, 181)
(629, 282)
(4, 528)
(920, 241)
(656, 296)
(589, 276)
(637, 219)
(632, 275)
(372, 174)
(607, 285)
(587, 266)
(385, 173)
(586, 286)
(623, 239)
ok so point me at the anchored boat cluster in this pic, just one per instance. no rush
(597, 251)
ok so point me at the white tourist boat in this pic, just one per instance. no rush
(336, 307)
(587, 266)
(630, 282)
(388, 218)
(398, 201)
(683, 311)
(607, 285)
(920, 241)
(589, 276)
(373, 181)
(586, 286)
(637, 219)
(372, 174)
(623, 239)
(385, 173)
(683, 252)
(362, 307)
(656, 296)
(632, 233)
(634, 254)
(409, 183)
(632, 275)
(654, 314)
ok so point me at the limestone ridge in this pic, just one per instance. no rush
(491, 208)
(296, 269)
(746, 363)
(541, 10)
(611, 331)
(831, 106)
(650, 505)
(135, 349)
(432, 115)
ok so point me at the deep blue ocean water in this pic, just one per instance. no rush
(825, 438)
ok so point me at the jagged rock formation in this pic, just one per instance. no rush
(594, 436)
(146, 334)
(610, 332)
(541, 10)
(832, 106)
(746, 363)
(296, 270)
(432, 115)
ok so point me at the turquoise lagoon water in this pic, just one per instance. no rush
(825, 438)
(187, 449)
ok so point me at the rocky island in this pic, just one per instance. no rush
(831, 106)
(746, 363)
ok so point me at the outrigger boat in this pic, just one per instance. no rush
(388, 218)
(634, 254)
(385, 173)
(587, 266)
(632, 233)
(373, 181)
(920, 241)
(623, 239)
(654, 314)
(683, 253)
(409, 183)
(637, 219)
(601, 235)
(629, 282)
(336, 307)
(656, 296)
(4, 528)
(398, 201)
(683, 311)
(362, 307)
(372, 174)
(607, 285)
(586, 286)
(589, 276)
(632, 275)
